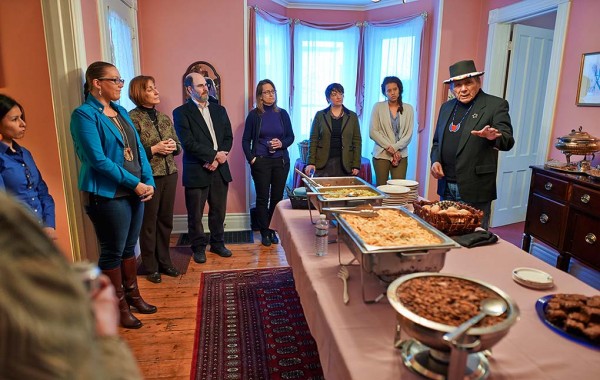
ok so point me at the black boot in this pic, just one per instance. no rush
(127, 319)
(132, 292)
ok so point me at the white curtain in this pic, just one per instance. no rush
(273, 58)
(321, 57)
(392, 51)
(122, 53)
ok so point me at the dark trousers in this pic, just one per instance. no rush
(383, 169)
(195, 199)
(117, 222)
(269, 175)
(158, 224)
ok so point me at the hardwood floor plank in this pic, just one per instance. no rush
(164, 345)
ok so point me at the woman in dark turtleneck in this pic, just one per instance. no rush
(161, 144)
(267, 135)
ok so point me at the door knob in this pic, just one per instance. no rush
(585, 198)
(544, 218)
(548, 186)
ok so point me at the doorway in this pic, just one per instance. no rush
(513, 182)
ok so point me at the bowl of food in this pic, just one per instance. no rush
(430, 305)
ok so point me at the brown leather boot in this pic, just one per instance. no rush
(132, 292)
(128, 320)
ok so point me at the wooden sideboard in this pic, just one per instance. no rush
(564, 213)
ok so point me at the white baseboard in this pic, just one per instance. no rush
(233, 222)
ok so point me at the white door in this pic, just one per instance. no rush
(525, 93)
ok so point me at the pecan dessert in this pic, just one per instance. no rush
(576, 314)
(447, 300)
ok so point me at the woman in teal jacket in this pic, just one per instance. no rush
(117, 178)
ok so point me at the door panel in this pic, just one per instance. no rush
(525, 92)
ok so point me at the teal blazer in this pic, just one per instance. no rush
(99, 146)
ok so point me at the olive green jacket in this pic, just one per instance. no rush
(320, 139)
(150, 135)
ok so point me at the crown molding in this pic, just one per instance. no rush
(340, 7)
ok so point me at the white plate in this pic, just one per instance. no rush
(402, 182)
(533, 278)
(392, 189)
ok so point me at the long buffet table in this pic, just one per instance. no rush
(355, 341)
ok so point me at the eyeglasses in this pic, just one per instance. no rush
(269, 92)
(116, 81)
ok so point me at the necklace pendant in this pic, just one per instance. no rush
(454, 127)
(128, 154)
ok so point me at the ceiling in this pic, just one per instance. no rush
(339, 4)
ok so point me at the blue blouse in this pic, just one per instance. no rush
(20, 177)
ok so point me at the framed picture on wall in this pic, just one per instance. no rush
(588, 89)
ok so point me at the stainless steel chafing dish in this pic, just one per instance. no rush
(319, 186)
(390, 263)
(578, 143)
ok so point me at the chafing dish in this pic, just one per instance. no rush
(578, 143)
(390, 262)
(453, 355)
(320, 185)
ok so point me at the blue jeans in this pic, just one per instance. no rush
(451, 194)
(117, 222)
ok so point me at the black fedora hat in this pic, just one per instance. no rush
(463, 69)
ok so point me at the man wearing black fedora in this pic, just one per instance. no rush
(470, 131)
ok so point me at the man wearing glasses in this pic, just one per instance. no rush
(205, 133)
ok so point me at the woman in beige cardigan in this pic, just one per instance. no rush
(391, 129)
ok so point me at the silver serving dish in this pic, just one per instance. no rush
(391, 262)
(431, 333)
(578, 143)
(321, 185)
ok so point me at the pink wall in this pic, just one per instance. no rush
(24, 76)
(174, 36)
(91, 29)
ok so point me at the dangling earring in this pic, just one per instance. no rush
(100, 92)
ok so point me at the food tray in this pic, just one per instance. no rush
(450, 224)
(319, 201)
(395, 261)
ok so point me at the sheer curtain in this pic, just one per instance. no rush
(392, 49)
(122, 53)
(321, 57)
(272, 57)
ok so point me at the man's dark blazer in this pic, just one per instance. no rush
(198, 145)
(476, 157)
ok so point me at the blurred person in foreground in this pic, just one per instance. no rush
(205, 133)
(392, 123)
(267, 135)
(117, 179)
(51, 325)
(470, 131)
(161, 144)
(335, 141)
(19, 175)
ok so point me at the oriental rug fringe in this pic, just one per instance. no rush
(251, 326)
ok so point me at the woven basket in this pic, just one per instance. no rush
(303, 148)
(297, 202)
(450, 224)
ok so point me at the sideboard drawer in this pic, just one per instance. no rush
(583, 240)
(545, 218)
(586, 199)
(550, 187)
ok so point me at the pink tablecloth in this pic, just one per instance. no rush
(356, 340)
(364, 173)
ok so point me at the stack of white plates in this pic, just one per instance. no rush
(412, 185)
(398, 195)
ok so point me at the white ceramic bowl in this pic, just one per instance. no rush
(402, 182)
(393, 189)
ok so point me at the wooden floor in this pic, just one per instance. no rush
(164, 345)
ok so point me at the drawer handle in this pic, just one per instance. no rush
(590, 238)
(585, 198)
(544, 218)
(548, 186)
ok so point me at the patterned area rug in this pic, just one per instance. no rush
(251, 326)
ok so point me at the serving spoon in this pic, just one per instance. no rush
(489, 306)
